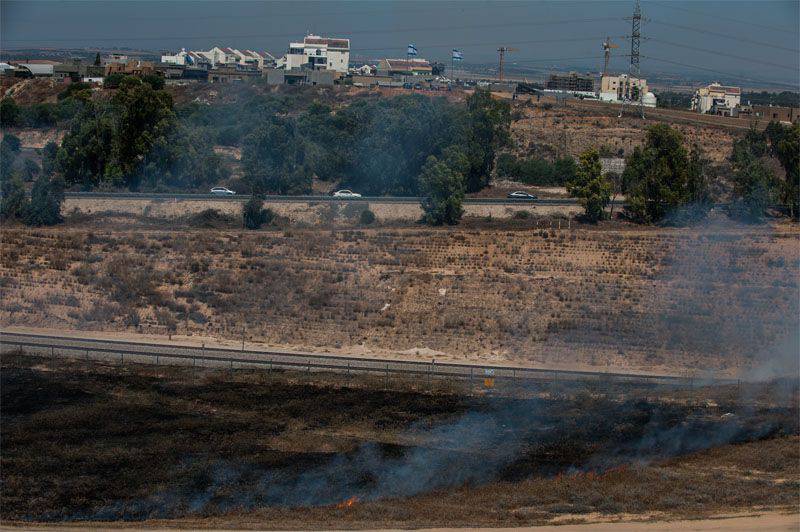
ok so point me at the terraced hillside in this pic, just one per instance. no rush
(713, 298)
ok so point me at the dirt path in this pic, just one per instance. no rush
(421, 354)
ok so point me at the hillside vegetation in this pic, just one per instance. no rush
(682, 300)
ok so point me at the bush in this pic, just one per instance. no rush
(9, 112)
(45, 205)
(12, 142)
(367, 217)
(253, 213)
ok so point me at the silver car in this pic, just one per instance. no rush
(222, 191)
(346, 194)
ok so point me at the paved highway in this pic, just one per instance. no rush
(160, 353)
(311, 199)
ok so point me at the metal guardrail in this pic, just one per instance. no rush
(311, 199)
(70, 346)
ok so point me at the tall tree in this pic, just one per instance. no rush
(589, 185)
(442, 186)
(489, 122)
(274, 159)
(659, 177)
(785, 145)
(754, 183)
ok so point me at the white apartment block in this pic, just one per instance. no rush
(220, 56)
(716, 96)
(320, 53)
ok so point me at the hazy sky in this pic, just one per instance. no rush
(757, 40)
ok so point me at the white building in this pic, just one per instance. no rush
(220, 56)
(621, 88)
(322, 53)
(716, 98)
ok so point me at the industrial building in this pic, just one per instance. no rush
(717, 99)
(572, 82)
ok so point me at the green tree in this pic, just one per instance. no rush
(9, 112)
(442, 188)
(591, 188)
(49, 154)
(45, 204)
(755, 186)
(489, 123)
(785, 145)
(7, 158)
(274, 159)
(145, 118)
(659, 178)
(14, 203)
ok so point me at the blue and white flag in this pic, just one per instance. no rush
(412, 49)
(457, 55)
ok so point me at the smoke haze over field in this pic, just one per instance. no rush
(755, 40)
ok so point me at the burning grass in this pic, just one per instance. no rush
(92, 442)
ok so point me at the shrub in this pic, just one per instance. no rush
(254, 215)
(367, 217)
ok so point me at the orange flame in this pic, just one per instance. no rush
(348, 503)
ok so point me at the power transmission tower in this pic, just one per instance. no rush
(635, 71)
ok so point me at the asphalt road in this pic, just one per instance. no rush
(160, 353)
(313, 199)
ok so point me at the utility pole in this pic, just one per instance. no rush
(502, 51)
(635, 71)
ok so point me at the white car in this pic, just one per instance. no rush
(222, 191)
(346, 194)
(519, 194)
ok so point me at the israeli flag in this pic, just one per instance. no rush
(412, 49)
(457, 55)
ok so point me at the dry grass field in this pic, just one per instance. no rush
(549, 130)
(717, 298)
(195, 448)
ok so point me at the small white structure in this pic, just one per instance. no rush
(716, 97)
(220, 56)
(320, 53)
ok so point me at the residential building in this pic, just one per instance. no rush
(621, 88)
(716, 99)
(134, 67)
(300, 76)
(407, 67)
(572, 82)
(319, 53)
(777, 114)
(114, 58)
(228, 74)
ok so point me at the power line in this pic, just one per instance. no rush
(726, 54)
(726, 36)
(729, 74)
(465, 45)
(729, 19)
